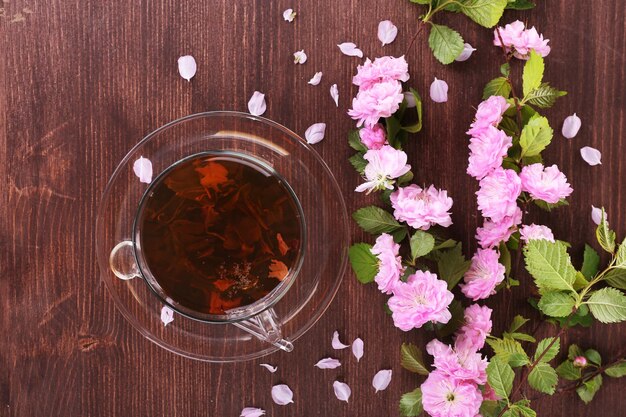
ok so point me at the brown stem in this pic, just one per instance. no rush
(518, 108)
(417, 32)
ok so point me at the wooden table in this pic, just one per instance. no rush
(81, 82)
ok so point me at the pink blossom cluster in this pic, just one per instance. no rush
(389, 263)
(454, 387)
(421, 208)
(516, 38)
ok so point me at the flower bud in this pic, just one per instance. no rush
(580, 361)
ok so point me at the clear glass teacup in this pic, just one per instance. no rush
(270, 323)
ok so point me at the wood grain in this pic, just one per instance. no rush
(81, 82)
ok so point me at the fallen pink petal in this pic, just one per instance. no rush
(357, 348)
(269, 367)
(334, 93)
(143, 169)
(299, 57)
(592, 156)
(571, 126)
(289, 15)
(316, 78)
(252, 412)
(439, 91)
(382, 379)
(315, 133)
(468, 50)
(187, 67)
(167, 315)
(342, 391)
(328, 363)
(336, 343)
(256, 105)
(387, 32)
(282, 394)
(350, 49)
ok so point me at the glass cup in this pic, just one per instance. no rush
(270, 323)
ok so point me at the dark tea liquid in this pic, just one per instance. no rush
(218, 231)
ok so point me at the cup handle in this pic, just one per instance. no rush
(122, 261)
(266, 327)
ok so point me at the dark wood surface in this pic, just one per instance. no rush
(82, 81)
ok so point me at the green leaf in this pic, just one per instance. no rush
(533, 73)
(505, 69)
(616, 278)
(517, 323)
(550, 265)
(588, 390)
(573, 351)
(544, 96)
(418, 108)
(364, 263)
(411, 403)
(608, 305)
(354, 139)
(486, 13)
(446, 44)
(422, 243)
(458, 319)
(523, 410)
(550, 353)
(536, 135)
(568, 371)
(620, 259)
(593, 356)
(358, 162)
(405, 178)
(616, 371)
(556, 304)
(399, 234)
(497, 87)
(591, 260)
(521, 336)
(500, 377)
(549, 206)
(490, 408)
(411, 359)
(605, 236)
(581, 281)
(543, 378)
(509, 351)
(452, 265)
(520, 5)
(446, 244)
(421, 1)
(505, 258)
(375, 220)
(393, 126)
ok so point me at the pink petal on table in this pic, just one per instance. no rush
(143, 169)
(256, 105)
(336, 343)
(252, 412)
(596, 215)
(315, 133)
(571, 126)
(467, 52)
(342, 391)
(592, 156)
(387, 32)
(187, 67)
(316, 78)
(357, 348)
(167, 315)
(289, 15)
(282, 394)
(381, 380)
(439, 91)
(269, 367)
(299, 57)
(350, 49)
(328, 363)
(410, 99)
(334, 93)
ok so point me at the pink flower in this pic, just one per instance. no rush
(443, 396)
(483, 276)
(422, 208)
(487, 150)
(461, 364)
(422, 298)
(489, 113)
(384, 166)
(373, 137)
(386, 68)
(521, 41)
(492, 233)
(389, 263)
(547, 184)
(536, 232)
(473, 333)
(380, 100)
(497, 196)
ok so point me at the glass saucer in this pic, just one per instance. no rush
(325, 251)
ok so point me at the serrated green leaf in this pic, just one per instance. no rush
(620, 258)
(364, 263)
(500, 377)
(593, 356)
(497, 87)
(446, 44)
(452, 265)
(568, 371)
(422, 243)
(605, 236)
(535, 137)
(411, 403)
(550, 265)
(550, 352)
(549, 206)
(490, 408)
(616, 278)
(411, 359)
(580, 282)
(358, 162)
(446, 244)
(573, 351)
(375, 220)
(523, 410)
(354, 139)
(544, 96)
(399, 234)
(543, 378)
(591, 260)
(517, 323)
(533, 73)
(509, 351)
(520, 5)
(556, 304)
(616, 371)
(521, 336)
(608, 305)
(486, 13)
(588, 390)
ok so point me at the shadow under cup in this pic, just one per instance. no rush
(289, 309)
